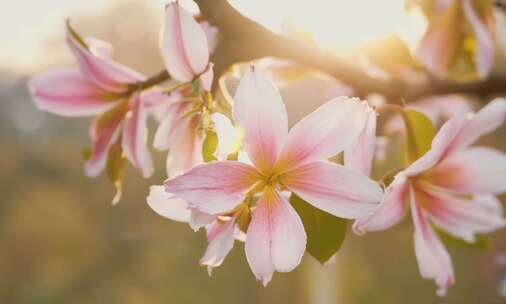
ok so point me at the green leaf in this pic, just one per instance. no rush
(209, 146)
(419, 134)
(196, 87)
(325, 232)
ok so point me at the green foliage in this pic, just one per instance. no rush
(419, 134)
(209, 146)
(325, 232)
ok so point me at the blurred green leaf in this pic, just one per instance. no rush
(419, 134)
(325, 232)
(209, 146)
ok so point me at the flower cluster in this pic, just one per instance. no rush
(235, 171)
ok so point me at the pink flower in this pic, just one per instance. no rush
(183, 44)
(294, 161)
(453, 187)
(99, 87)
(451, 22)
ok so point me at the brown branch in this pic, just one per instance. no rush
(155, 79)
(242, 39)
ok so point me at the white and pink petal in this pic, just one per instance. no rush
(214, 187)
(166, 205)
(433, 259)
(476, 170)
(335, 189)
(390, 211)
(100, 70)
(275, 240)
(221, 241)
(134, 139)
(67, 92)
(260, 112)
(328, 130)
(183, 44)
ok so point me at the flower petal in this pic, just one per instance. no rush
(489, 118)
(206, 78)
(213, 187)
(441, 145)
(105, 73)
(99, 47)
(67, 92)
(135, 135)
(260, 112)
(183, 44)
(104, 132)
(440, 41)
(158, 102)
(474, 170)
(433, 260)
(221, 240)
(212, 34)
(165, 205)
(275, 240)
(170, 125)
(335, 189)
(229, 139)
(360, 155)
(327, 131)
(200, 219)
(459, 217)
(390, 211)
(185, 147)
(484, 38)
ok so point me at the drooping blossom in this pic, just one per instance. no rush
(451, 24)
(282, 160)
(103, 88)
(437, 108)
(183, 44)
(452, 186)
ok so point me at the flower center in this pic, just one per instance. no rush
(271, 180)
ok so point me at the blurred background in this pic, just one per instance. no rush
(62, 242)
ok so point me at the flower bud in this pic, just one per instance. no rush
(183, 44)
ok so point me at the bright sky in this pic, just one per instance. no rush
(26, 25)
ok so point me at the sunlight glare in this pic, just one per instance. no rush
(340, 24)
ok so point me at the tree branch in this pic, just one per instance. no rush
(242, 39)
